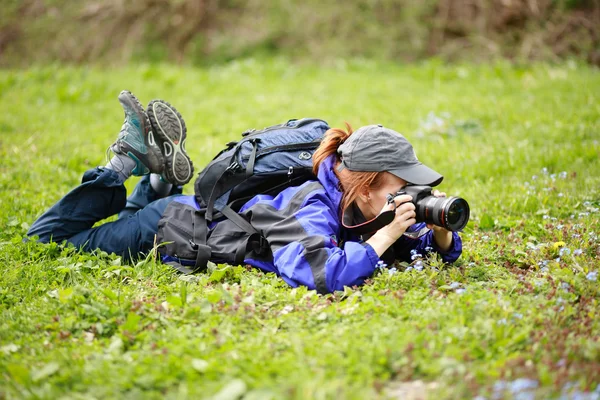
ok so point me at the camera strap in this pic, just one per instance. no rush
(355, 222)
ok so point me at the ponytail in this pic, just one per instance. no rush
(333, 139)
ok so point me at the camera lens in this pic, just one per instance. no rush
(451, 213)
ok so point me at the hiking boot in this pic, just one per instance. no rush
(170, 134)
(136, 139)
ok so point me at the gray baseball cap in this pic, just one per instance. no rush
(374, 148)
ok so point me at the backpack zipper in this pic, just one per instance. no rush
(295, 146)
(252, 132)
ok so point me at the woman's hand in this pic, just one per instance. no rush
(442, 236)
(405, 217)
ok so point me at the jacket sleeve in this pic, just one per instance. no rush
(426, 244)
(303, 238)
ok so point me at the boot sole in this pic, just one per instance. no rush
(169, 127)
(132, 102)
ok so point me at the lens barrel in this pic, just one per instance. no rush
(451, 213)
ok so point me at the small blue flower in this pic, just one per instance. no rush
(415, 256)
(578, 252)
(560, 195)
(592, 276)
(381, 264)
(545, 171)
(564, 251)
(460, 290)
(559, 226)
(534, 177)
(563, 175)
(413, 252)
(418, 265)
(428, 249)
(544, 269)
(454, 285)
(523, 384)
(546, 217)
(500, 386)
(564, 286)
(408, 269)
(587, 203)
(501, 321)
(518, 315)
(392, 271)
(557, 259)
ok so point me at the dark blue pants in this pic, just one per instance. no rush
(99, 196)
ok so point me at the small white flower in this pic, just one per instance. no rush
(592, 276)
(578, 252)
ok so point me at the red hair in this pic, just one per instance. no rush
(352, 182)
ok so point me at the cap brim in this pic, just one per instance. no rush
(419, 175)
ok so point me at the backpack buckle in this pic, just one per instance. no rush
(233, 167)
(290, 174)
(248, 131)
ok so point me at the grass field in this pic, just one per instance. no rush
(517, 316)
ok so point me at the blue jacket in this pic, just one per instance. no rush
(308, 244)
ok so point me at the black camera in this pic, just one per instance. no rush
(451, 213)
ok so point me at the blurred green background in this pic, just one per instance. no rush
(203, 32)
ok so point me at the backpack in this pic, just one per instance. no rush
(264, 161)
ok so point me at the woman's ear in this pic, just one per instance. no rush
(364, 194)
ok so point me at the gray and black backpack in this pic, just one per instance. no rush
(264, 161)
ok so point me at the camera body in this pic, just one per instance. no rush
(451, 213)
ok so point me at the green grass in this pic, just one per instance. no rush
(86, 326)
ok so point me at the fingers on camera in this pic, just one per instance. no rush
(404, 208)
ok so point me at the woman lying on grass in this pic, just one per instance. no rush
(305, 226)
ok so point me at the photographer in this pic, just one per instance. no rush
(319, 234)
